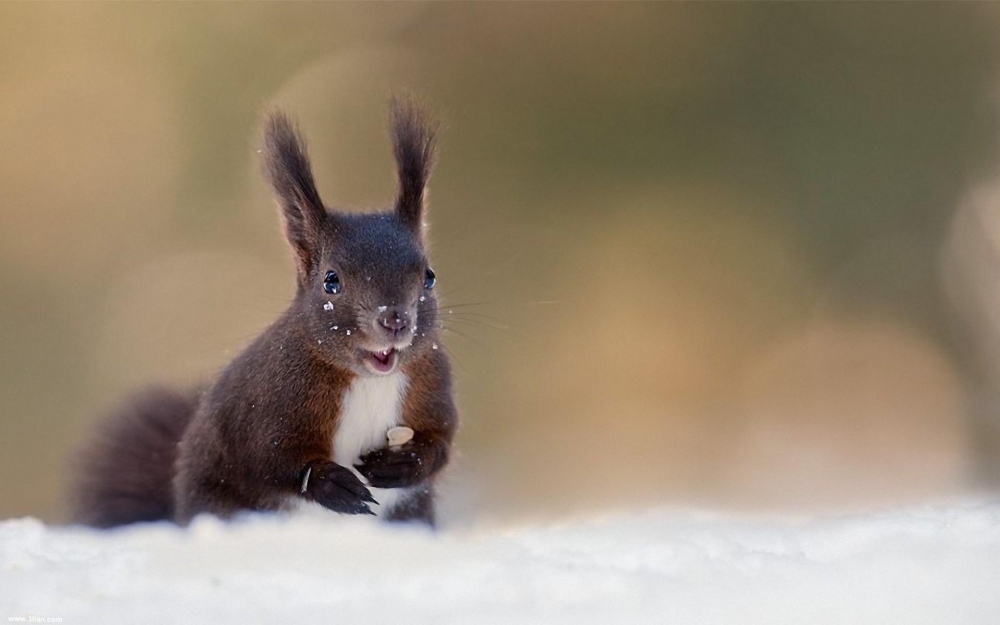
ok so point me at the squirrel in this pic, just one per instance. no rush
(302, 414)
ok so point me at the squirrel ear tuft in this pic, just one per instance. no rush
(286, 165)
(413, 134)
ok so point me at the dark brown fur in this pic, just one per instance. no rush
(272, 414)
(124, 476)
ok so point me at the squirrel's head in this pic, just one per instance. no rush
(365, 298)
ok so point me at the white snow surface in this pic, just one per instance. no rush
(935, 564)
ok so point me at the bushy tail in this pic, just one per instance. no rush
(124, 474)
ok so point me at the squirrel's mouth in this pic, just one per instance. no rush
(383, 361)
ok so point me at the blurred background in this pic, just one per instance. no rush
(725, 255)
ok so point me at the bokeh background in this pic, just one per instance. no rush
(723, 255)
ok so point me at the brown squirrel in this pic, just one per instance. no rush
(302, 413)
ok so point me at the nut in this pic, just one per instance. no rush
(399, 435)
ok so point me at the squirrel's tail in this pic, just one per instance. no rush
(124, 474)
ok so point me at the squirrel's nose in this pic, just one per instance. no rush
(393, 319)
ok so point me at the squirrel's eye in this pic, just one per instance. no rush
(429, 279)
(331, 283)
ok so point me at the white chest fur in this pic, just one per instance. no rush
(371, 406)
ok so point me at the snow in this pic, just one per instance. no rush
(935, 564)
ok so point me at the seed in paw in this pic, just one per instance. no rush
(399, 436)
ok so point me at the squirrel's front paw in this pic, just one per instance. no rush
(399, 467)
(336, 488)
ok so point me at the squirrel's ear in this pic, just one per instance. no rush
(413, 144)
(286, 164)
